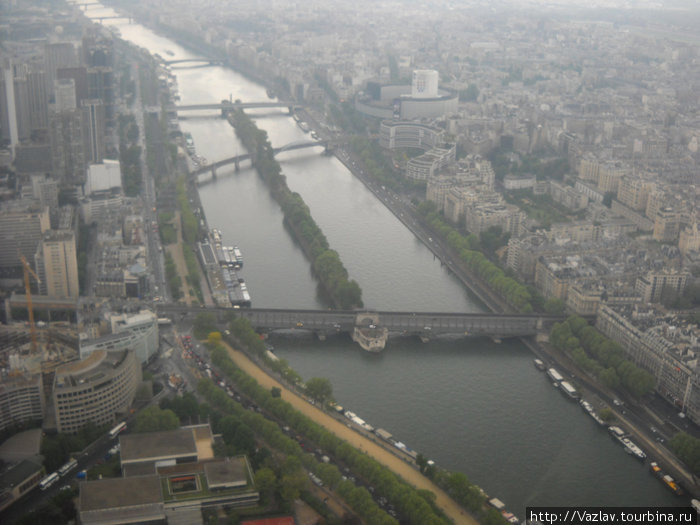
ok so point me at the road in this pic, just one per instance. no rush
(357, 440)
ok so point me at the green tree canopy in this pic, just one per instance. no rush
(320, 389)
(154, 419)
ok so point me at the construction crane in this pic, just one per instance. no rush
(27, 287)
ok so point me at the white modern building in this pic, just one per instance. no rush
(138, 332)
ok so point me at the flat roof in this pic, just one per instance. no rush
(19, 473)
(139, 469)
(229, 472)
(112, 493)
(157, 445)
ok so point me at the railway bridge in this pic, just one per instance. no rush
(373, 328)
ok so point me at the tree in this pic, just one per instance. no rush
(214, 338)
(320, 389)
(265, 482)
(688, 449)
(154, 419)
(606, 414)
(203, 324)
(422, 462)
(275, 392)
(554, 306)
(244, 440)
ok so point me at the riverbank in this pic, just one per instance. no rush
(638, 419)
(360, 442)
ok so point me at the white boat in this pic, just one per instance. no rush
(554, 375)
(569, 390)
(633, 449)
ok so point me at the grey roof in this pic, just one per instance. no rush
(119, 492)
(19, 473)
(152, 445)
(228, 472)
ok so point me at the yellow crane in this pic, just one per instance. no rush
(27, 287)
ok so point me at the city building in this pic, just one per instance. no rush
(394, 134)
(648, 342)
(103, 178)
(429, 163)
(667, 225)
(689, 239)
(519, 182)
(21, 398)
(167, 476)
(490, 210)
(19, 480)
(22, 226)
(98, 389)
(94, 125)
(652, 286)
(135, 500)
(634, 192)
(567, 196)
(553, 275)
(66, 135)
(422, 99)
(57, 265)
(584, 300)
(138, 332)
(609, 176)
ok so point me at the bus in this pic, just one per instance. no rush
(65, 469)
(48, 481)
(116, 430)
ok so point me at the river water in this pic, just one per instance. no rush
(472, 406)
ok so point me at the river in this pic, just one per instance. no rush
(472, 405)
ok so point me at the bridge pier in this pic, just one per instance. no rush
(237, 164)
(213, 173)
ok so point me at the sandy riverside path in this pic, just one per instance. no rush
(398, 466)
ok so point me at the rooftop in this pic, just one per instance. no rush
(151, 445)
(229, 473)
(119, 492)
(19, 473)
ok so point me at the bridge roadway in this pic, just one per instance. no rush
(246, 156)
(235, 105)
(422, 324)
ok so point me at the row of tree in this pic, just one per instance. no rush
(190, 224)
(380, 168)
(410, 502)
(172, 277)
(329, 269)
(687, 448)
(515, 293)
(130, 155)
(600, 356)
(455, 484)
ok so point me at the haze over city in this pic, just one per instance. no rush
(329, 262)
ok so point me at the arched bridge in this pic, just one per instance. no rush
(300, 144)
(425, 325)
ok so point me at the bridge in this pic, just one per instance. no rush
(301, 144)
(371, 329)
(229, 106)
(101, 19)
(199, 61)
